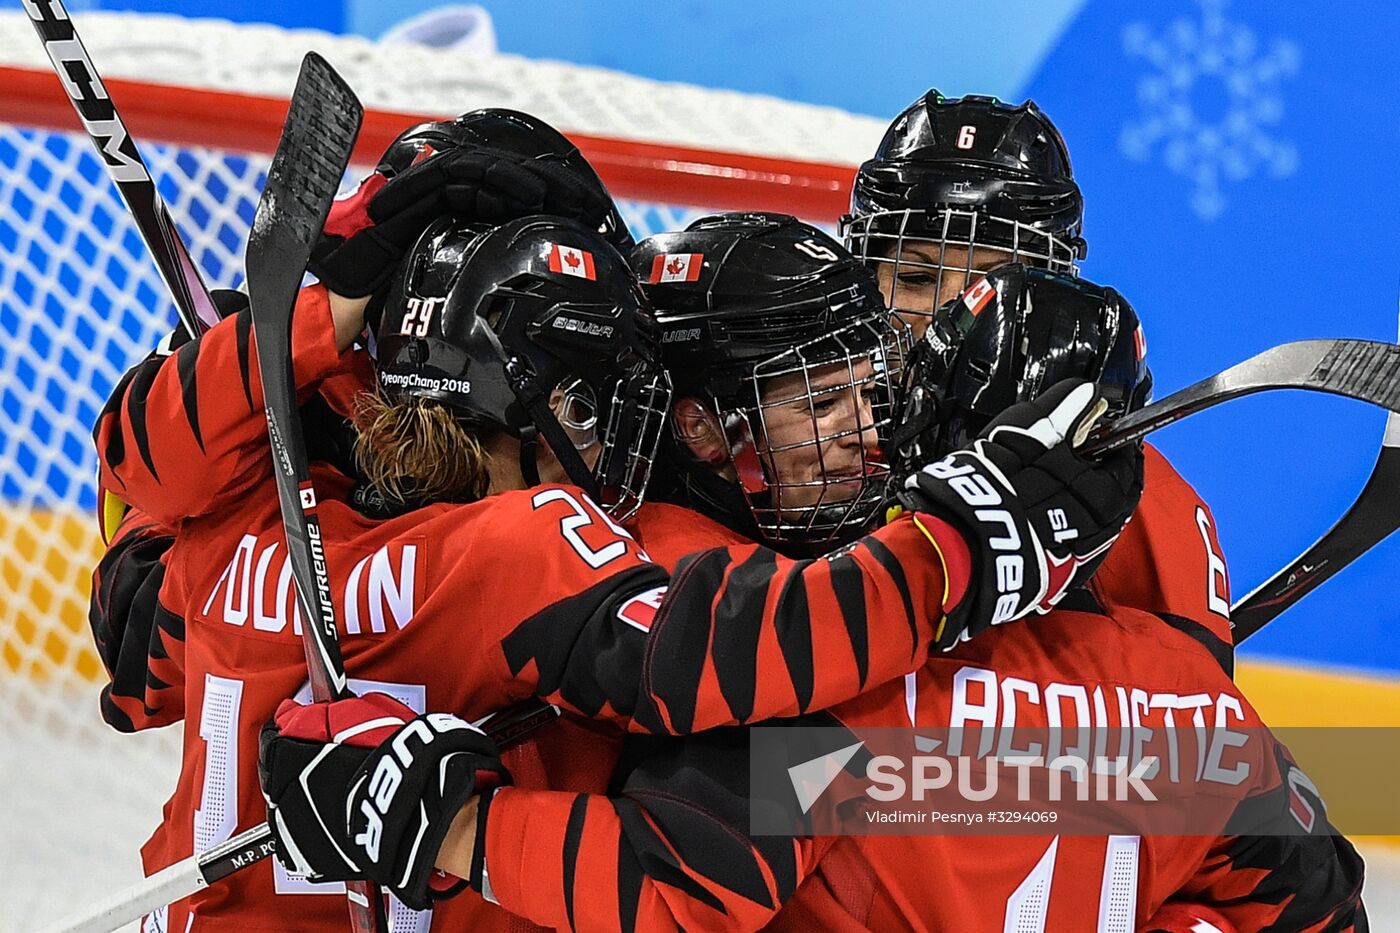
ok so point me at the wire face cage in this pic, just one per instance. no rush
(808, 447)
(925, 259)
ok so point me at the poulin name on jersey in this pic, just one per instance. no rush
(255, 590)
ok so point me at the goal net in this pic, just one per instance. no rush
(81, 301)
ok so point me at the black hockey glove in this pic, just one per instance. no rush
(367, 233)
(1037, 517)
(366, 789)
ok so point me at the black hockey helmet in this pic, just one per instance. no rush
(491, 323)
(513, 131)
(1012, 335)
(758, 312)
(970, 172)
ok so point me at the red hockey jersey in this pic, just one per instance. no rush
(180, 411)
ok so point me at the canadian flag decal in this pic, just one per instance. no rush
(676, 267)
(571, 261)
(1140, 343)
(640, 611)
(978, 295)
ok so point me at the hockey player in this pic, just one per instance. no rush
(538, 650)
(678, 801)
(956, 188)
(959, 186)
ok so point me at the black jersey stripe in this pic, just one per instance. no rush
(186, 359)
(737, 625)
(243, 331)
(886, 559)
(1221, 650)
(1081, 599)
(673, 677)
(577, 643)
(794, 630)
(629, 887)
(573, 835)
(848, 583)
(113, 715)
(655, 857)
(115, 452)
(143, 377)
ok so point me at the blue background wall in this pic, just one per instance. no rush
(1238, 161)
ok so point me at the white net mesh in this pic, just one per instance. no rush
(415, 79)
(80, 302)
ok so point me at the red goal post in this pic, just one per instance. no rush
(634, 169)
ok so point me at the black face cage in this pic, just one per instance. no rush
(807, 442)
(913, 286)
(640, 405)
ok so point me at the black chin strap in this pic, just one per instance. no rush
(532, 399)
(530, 455)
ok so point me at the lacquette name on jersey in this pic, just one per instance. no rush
(255, 590)
(1014, 716)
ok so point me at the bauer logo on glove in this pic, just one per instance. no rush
(401, 778)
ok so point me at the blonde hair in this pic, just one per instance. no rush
(418, 450)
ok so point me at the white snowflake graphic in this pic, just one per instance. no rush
(1210, 103)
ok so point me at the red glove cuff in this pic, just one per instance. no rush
(350, 215)
(361, 722)
(953, 551)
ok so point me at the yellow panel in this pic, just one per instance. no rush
(46, 561)
(1294, 695)
(1289, 695)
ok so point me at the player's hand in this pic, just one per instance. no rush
(1037, 517)
(366, 789)
(367, 233)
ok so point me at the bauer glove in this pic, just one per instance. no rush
(364, 788)
(1037, 517)
(367, 233)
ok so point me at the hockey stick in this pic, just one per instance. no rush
(1371, 519)
(248, 848)
(1363, 370)
(124, 164)
(311, 158)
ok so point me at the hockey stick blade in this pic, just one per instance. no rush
(197, 872)
(1368, 371)
(117, 149)
(1371, 519)
(312, 155)
(311, 158)
(1365, 370)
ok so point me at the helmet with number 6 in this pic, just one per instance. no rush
(957, 187)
